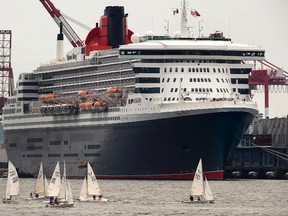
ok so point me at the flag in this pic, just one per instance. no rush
(175, 11)
(195, 13)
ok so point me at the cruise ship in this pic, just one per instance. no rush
(146, 108)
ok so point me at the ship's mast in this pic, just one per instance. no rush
(184, 23)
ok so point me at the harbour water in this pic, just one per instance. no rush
(133, 197)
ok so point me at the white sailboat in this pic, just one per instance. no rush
(41, 186)
(90, 190)
(12, 188)
(65, 196)
(200, 190)
(55, 182)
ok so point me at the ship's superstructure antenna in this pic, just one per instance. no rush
(184, 23)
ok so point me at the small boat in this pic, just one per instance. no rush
(55, 182)
(65, 197)
(41, 186)
(12, 188)
(200, 190)
(90, 190)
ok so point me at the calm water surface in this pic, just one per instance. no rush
(131, 197)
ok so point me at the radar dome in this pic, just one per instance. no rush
(177, 34)
(135, 38)
(149, 33)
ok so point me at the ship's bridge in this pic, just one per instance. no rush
(164, 47)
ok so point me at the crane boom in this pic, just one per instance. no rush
(59, 18)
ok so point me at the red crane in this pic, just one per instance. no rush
(273, 76)
(6, 72)
(59, 18)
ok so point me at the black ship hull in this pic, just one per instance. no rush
(156, 149)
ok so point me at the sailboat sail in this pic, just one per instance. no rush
(69, 193)
(63, 188)
(12, 181)
(208, 193)
(197, 188)
(84, 193)
(7, 194)
(39, 187)
(93, 186)
(46, 185)
(55, 182)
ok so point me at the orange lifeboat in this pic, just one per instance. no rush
(85, 92)
(114, 92)
(48, 96)
(100, 106)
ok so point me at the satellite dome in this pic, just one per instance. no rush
(177, 34)
(149, 33)
(135, 38)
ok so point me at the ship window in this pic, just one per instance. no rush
(92, 155)
(207, 89)
(189, 69)
(197, 69)
(164, 99)
(168, 80)
(176, 69)
(205, 79)
(71, 155)
(162, 90)
(217, 79)
(65, 142)
(200, 90)
(217, 90)
(219, 70)
(204, 69)
(193, 69)
(182, 69)
(165, 70)
(176, 89)
(200, 69)
(192, 89)
(221, 90)
(184, 90)
(170, 69)
(202, 80)
(173, 99)
(174, 80)
(163, 80)
(169, 99)
(13, 145)
(55, 142)
(191, 80)
(214, 70)
(208, 70)
(53, 155)
(194, 79)
(32, 148)
(171, 89)
(211, 90)
(198, 79)
(196, 89)
(34, 155)
(222, 80)
(35, 140)
(223, 70)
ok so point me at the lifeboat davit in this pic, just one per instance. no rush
(114, 92)
(48, 96)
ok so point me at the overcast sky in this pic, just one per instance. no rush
(258, 22)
